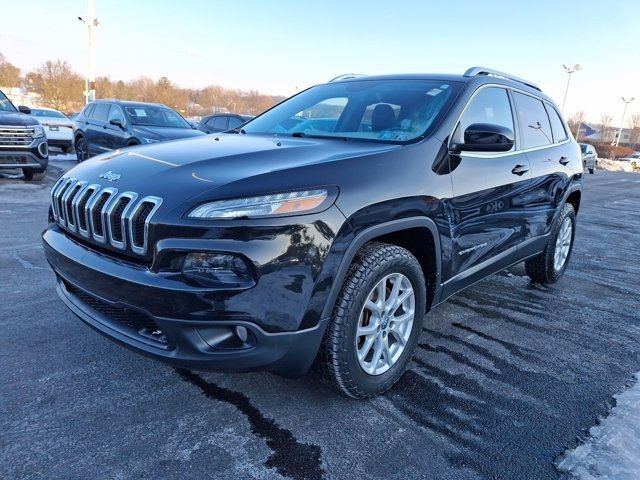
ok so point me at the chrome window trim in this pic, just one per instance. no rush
(111, 192)
(515, 151)
(157, 201)
(132, 196)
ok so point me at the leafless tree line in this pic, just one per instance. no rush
(63, 89)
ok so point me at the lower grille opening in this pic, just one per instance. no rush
(136, 323)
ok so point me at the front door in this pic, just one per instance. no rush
(487, 212)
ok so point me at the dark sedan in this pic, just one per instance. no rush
(221, 122)
(106, 125)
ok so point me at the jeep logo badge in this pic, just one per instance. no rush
(112, 177)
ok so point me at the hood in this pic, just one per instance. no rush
(164, 133)
(185, 168)
(16, 119)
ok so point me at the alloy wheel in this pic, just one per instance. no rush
(563, 244)
(385, 324)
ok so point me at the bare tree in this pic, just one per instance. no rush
(634, 124)
(60, 87)
(605, 126)
(9, 73)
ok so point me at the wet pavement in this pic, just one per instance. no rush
(507, 377)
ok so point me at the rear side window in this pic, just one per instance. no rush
(557, 127)
(100, 112)
(489, 105)
(234, 122)
(220, 123)
(534, 122)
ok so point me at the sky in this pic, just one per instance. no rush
(281, 46)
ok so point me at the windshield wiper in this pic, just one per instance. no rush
(306, 135)
(237, 130)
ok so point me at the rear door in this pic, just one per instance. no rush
(486, 212)
(545, 140)
(96, 125)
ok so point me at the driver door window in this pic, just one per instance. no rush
(489, 105)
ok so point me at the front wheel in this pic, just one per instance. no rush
(549, 266)
(376, 322)
(82, 148)
(31, 175)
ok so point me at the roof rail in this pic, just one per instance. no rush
(347, 76)
(474, 71)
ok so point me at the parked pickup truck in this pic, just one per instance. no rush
(23, 143)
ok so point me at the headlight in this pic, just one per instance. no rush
(265, 205)
(38, 131)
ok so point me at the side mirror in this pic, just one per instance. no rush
(486, 137)
(23, 109)
(116, 122)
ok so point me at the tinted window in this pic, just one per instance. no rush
(557, 127)
(116, 114)
(5, 104)
(583, 148)
(100, 112)
(534, 122)
(234, 122)
(489, 105)
(220, 123)
(88, 110)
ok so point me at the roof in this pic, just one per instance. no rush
(128, 102)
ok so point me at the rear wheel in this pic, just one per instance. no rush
(592, 170)
(82, 148)
(549, 266)
(33, 175)
(376, 322)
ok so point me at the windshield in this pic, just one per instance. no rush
(36, 112)
(152, 116)
(5, 104)
(375, 110)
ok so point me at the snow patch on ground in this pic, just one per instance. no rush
(62, 157)
(612, 450)
(614, 165)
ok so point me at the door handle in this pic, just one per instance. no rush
(519, 170)
(564, 160)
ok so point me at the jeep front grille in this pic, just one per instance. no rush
(104, 215)
(16, 136)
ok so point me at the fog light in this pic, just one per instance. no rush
(217, 269)
(241, 333)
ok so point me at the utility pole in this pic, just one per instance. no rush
(91, 23)
(570, 71)
(624, 112)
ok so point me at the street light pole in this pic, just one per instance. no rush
(91, 23)
(624, 112)
(570, 71)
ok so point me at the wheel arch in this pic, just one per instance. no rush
(574, 199)
(407, 233)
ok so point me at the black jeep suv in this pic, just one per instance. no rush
(23, 143)
(271, 248)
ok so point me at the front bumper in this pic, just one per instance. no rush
(179, 324)
(35, 156)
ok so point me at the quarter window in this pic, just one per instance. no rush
(534, 121)
(489, 105)
(557, 127)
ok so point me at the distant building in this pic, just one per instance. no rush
(20, 96)
(593, 133)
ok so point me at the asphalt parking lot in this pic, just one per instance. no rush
(507, 377)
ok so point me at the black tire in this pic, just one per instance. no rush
(592, 171)
(541, 267)
(64, 149)
(82, 148)
(337, 360)
(31, 175)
